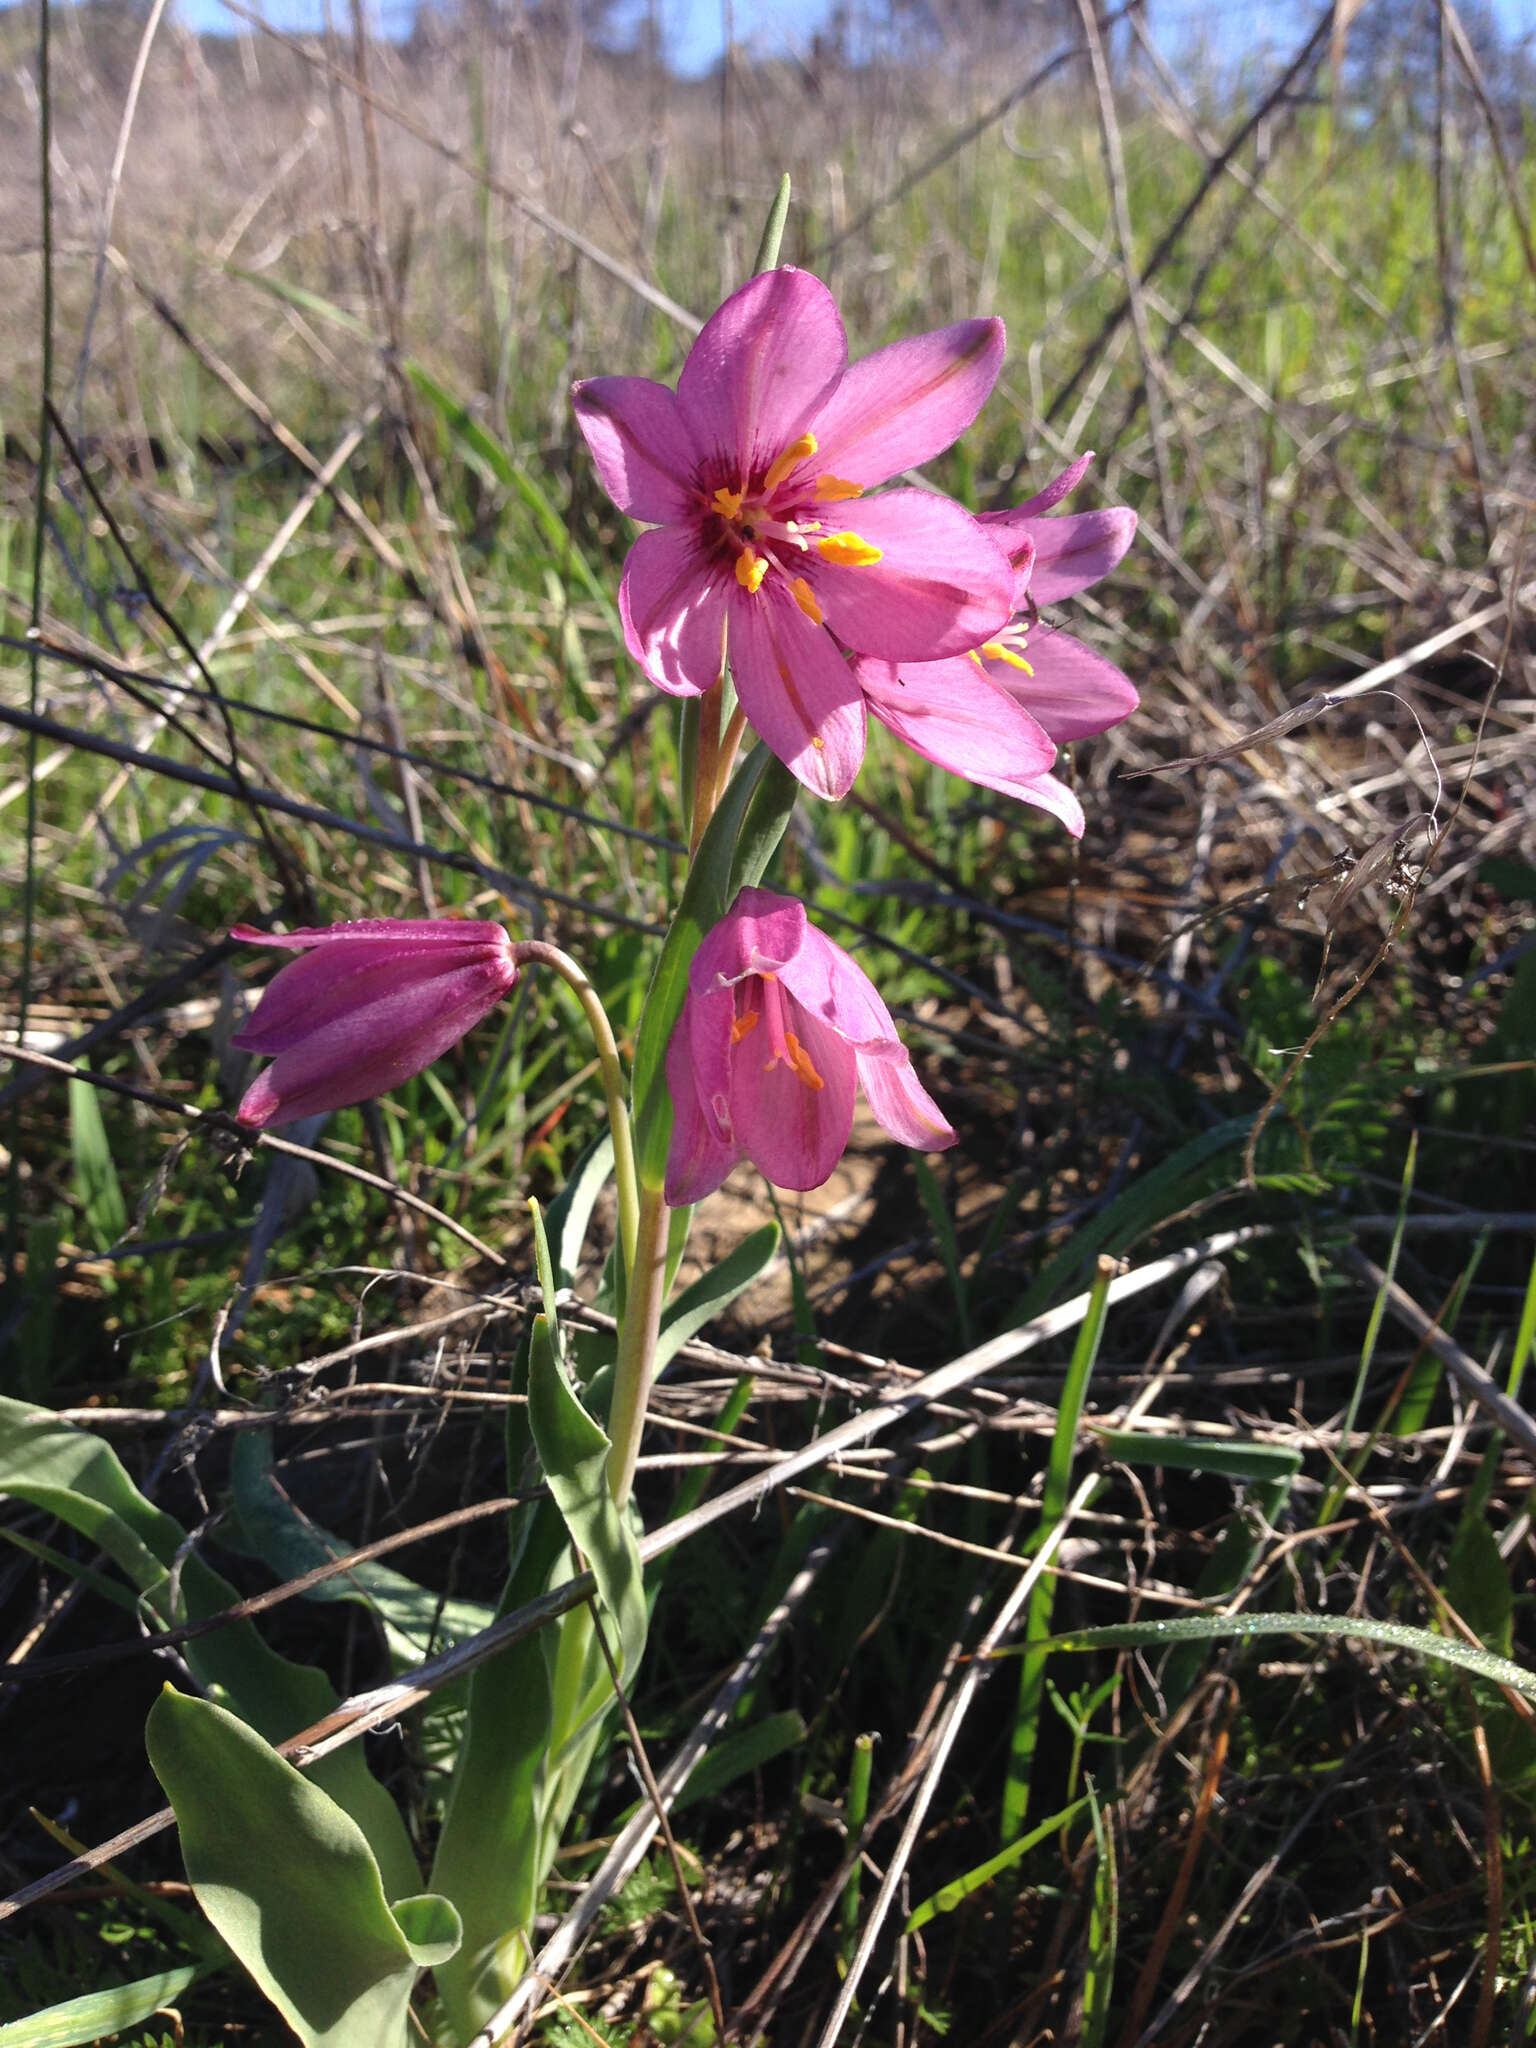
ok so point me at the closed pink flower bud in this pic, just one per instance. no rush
(778, 1030)
(366, 1006)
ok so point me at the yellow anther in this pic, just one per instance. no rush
(818, 742)
(831, 489)
(805, 597)
(972, 655)
(800, 1060)
(727, 503)
(791, 458)
(848, 550)
(994, 650)
(750, 569)
(746, 1022)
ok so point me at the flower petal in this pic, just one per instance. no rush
(901, 1104)
(641, 446)
(829, 984)
(373, 1045)
(760, 934)
(697, 1158)
(1073, 692)
(792, 1132)
(1071, 551)
(950, 712)
(1050, 793)
(902, 405)
(796, 688)
(1059, 487)
(352, 964)
(941, 583)
(672, 599)
(760, 368)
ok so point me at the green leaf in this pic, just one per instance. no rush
(1392, 1635)
(417, 1620)
(81, 1480)
(714, 1291)
(98, 2014)
(97, 1188)
(1256, 1463)
(733, 854)
(1477, 1583)
(747, 1750)
(573, 1450)
(1150, 1198)
(288, 1879)
(570, 1212)
(948, 1896)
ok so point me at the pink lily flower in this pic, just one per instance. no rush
(759, 554)
(366, 1006)
(946, 709)
(778, 1030)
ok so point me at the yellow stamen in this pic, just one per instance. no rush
(805, 597)
(830, 489)
(727, 503)
(792, 456)
(994, 650)
(746, 1022)
(972, 655)
(848, 550)
(800, 1060)
(750, 569)
(818, 742)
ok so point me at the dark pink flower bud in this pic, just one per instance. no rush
(366, 1006)
(778, 1030)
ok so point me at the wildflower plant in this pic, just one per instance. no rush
(777, 588)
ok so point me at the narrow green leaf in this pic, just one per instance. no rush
(1392, 1635)
(713, 1292)
(747, 1750)
(97, 1188)
(98, 2014)
(570, 1213)
(1242, 1461)
(289, 1881)
(960, 1889)
(773, 229)
(949, 1245)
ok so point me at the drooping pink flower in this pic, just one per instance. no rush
(945, 709)
(366, 1006)
(764, 550)
(778, 1030)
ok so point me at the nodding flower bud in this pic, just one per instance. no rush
(366, 1006)
(778, 1031)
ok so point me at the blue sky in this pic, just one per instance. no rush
(694, 28)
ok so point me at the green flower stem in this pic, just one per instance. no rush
(637, 1343)
(534, 952)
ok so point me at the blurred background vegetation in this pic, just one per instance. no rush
(309, 615)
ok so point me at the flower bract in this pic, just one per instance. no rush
(778, 1031)
(364, 1007)
(765, 552)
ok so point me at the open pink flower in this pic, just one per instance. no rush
(778, 1030)
(760, 555)
(366, 1006)
(946, 709)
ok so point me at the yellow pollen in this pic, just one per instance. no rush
(805, 597)
(727, 503)
(830, 489)
(848, 550)
(800, 1060)
(750, 569)
(746, 1022)
(792, 456)
(818, 741)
